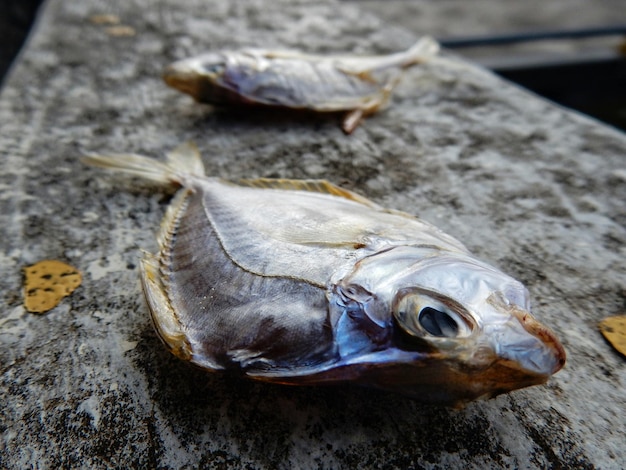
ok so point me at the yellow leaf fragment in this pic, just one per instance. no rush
(104, 18)
(614, 330)
(120, 31)
(46, 283)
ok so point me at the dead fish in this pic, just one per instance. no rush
(302, 282)
(358, 85)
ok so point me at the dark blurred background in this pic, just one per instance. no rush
(581, 66)
(16, 19)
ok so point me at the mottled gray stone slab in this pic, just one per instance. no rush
(531, 187)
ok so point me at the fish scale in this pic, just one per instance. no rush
(208, 284)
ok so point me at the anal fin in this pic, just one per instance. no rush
(155, 282)
(163, 315)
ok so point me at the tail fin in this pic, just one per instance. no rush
(181, 162)
(424, 49)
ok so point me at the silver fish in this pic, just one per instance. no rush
(303, 282)
(358, 85)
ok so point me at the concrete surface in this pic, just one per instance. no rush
(535, 189)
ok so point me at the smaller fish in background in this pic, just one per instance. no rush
(360, 86)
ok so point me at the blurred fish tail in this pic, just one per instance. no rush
(424, 49)
(182, 162)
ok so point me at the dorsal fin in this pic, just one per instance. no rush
(312, 186)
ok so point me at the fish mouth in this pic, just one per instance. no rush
(547, 336)
(203, 87)
(530, 346)
(182, 79)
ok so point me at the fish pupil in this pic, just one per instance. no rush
(438, 323)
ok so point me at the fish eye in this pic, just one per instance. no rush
(214, 68)
(438, 323)
(422, 315)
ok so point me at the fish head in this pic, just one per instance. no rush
(200, 77)
(462, 325)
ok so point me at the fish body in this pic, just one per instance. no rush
(303, 282)
(290, 79)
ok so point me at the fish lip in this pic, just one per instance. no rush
(204, 87)
(545, 336)
(181, 79)
(531, 345)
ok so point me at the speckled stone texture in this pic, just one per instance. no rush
(533, 188)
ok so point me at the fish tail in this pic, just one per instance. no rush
(182, 162)
(424, 49)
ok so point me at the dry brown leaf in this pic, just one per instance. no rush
(614, 330)
(46, 283)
